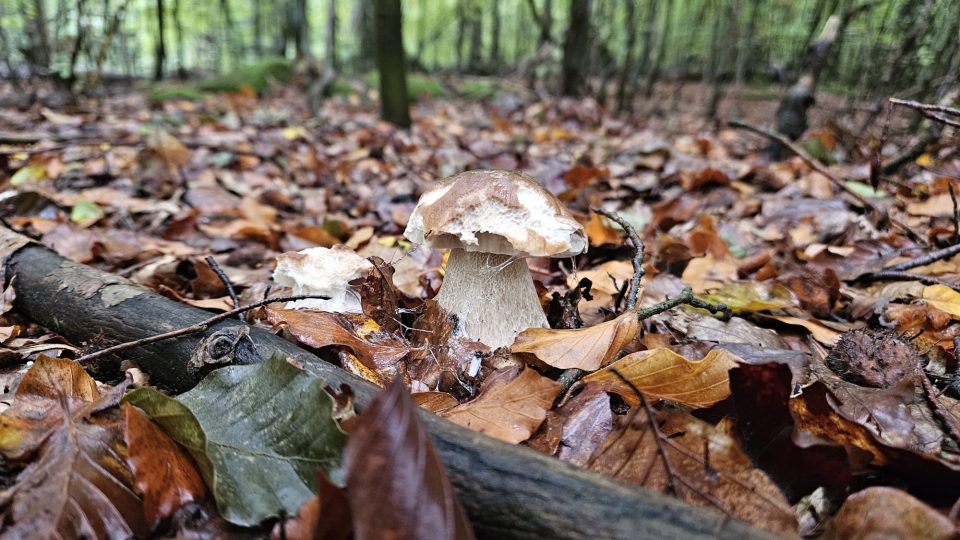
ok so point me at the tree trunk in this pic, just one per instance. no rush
(257, 28)
(475, 58)
(392, 63)
(365, 29)
(77, 46)
(654, 74)
(160, 49)
(624, 95)
(576, 48)
(461, 32)
(302, 29)
(332, 64)
(40, 49)
(495, 59)
(181, 52)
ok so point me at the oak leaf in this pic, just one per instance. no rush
(585, 348)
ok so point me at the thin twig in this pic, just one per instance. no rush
(199, 327)
(933, 257)
(896, 275)
(925, 107)
(947, 422)
(638, 270)
(657, 436)
(215, 266)
(685, 297)
(956, 213)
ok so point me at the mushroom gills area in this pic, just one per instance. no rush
(493, 297)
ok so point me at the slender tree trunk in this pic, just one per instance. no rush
(576, 48)
(654, 74)
(461, 32)
(108, 36)
(392, 63)
(40, 51)
(649, 31)
(257, 28)
(77, 46)
(332, 64)
(475, 61)
(365, 28)
(181, 51)
(624, 97)
(732, 14)
(160, 50)
(495, 59)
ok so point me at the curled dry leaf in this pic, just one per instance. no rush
(510, 407)
(79, 486)
(165, 474)
(707, 467)
(582, 348)
(882, 512)
(398, 487)
(664, 374)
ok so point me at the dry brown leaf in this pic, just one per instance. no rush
(821, 333)
(707, 273)
(582, 348)
(509, 407)
(664, 374)
(600, 232)
(883, 512)
(709, 467)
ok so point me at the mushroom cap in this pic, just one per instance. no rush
(494, 211)
(326, 271)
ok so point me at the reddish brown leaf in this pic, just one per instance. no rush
(324, 517)
(165, 475)
(582, 348)
(882, 512)
(398, 488)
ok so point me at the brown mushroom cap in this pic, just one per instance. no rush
(495, 211)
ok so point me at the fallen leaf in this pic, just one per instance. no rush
(883, 512)
(398, 487)
(324, 517)
(707, 467)
(943, 298)
(707, 273)
(752, 296)
(664, 374)
(510, 406)
(257, 433)
(821, 333)
(585, 348)
(165, 474)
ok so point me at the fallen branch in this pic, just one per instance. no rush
(637, 243)
(897, 275)
(929, 258)
(685, 297)
(507, 491)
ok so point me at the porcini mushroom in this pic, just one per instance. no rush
(491, 220)
(325, 271)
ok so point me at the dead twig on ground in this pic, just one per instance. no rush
(685, 297)
(929, 258)
(932, 111)
(215, 266)
(195, 328)
(897, 275)
(638, 271)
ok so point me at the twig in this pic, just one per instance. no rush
(956, 213)
(933, 257)
(193, 329)
(215, 266)
(947, 421)
(638, 270)
(657, 436)
(925, 107)
(685, 297)
(897, 275)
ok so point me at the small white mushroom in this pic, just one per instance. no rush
(492, 220)
(325, 271)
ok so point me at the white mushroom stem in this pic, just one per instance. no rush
(492, 295)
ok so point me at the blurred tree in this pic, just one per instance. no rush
(576, 48)
(160, 48)
(392, 63)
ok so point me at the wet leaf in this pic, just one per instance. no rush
(752, 296)
(79, 484)
(257, 434)
(883, 512)
(664, 374)
(398, 487)
(585, 348)
(510, 405)
(165, 474)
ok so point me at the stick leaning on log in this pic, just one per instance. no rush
(508, 491)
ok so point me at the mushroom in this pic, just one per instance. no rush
(326, 271)
(491, 220)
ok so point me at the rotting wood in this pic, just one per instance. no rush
(508, 491)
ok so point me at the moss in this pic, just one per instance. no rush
(477, 90)
(256, 75)
(160, 94)
(418, 85)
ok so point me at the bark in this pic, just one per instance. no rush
(506, 490)
(160, 48)
(365, 28)
(475, 58)
(495, 35)
(40, 49)
(576, 48)
(544, 20)
(461, 32)
(110, 32)
(392, 63)
(654, 75)
(257, 28)
(332, 64)
(77, 46)
(301, 28)
(178, 31)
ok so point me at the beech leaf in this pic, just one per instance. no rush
(664, 374)
(79, 485)
(582, 348)
(510, 407)
(398, 487)
(256, 432)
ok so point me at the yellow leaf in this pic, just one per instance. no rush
(943, 298)
(293, 132)
(752, 296)
(30, 173)
(664, 374)
(821, 333)
(707, 273)
(582, 348)
(924, 160)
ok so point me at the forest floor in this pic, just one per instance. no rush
(836, 374)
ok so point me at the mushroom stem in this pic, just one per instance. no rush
(493, 296)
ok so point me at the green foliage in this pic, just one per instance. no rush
(477, 90)
(163, 93)
(418, 85)
(341, 87)
(815, 148)
(256, 75)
